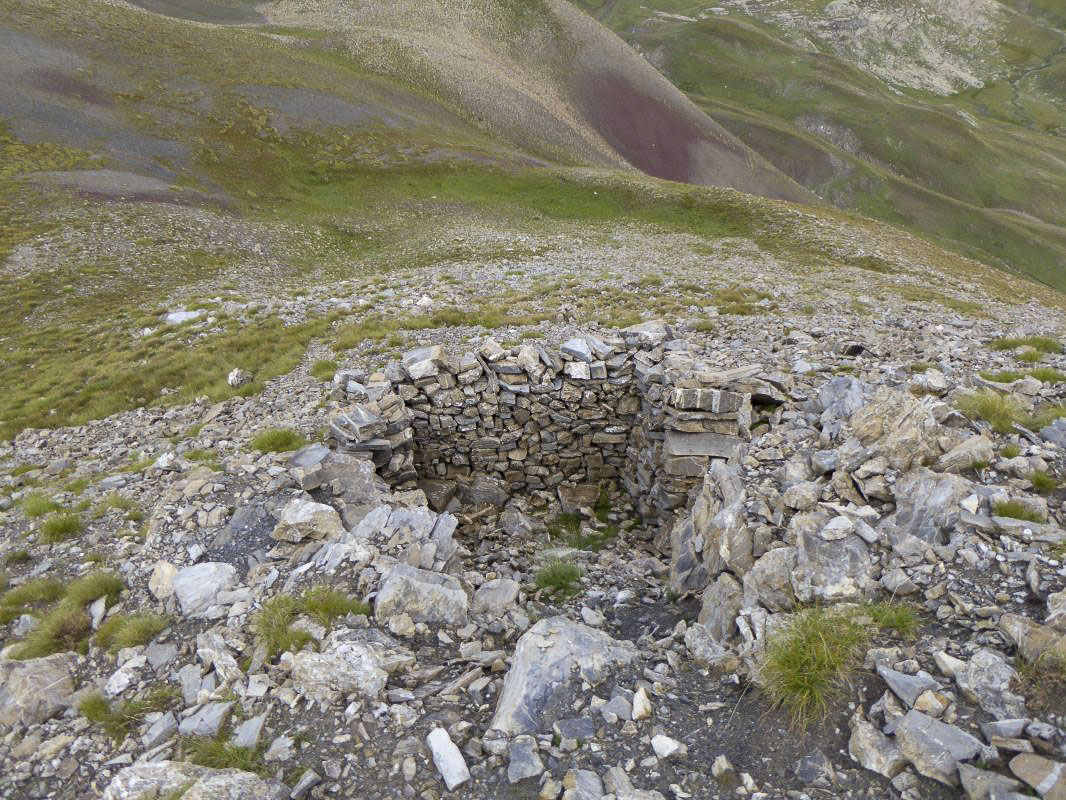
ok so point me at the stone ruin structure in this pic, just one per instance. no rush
(636, 408)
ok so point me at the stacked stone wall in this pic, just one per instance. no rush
(633, 408)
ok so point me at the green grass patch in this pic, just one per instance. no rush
(1043, 417)
(77, 486)
(1041, 344)
(37, 504)
(1043, 483)
(1030, 356)
(1010, 450)
(899, 618)
(117, 502)
(602, 506)
(29, 597)
(918, 367)
(564, 525)
(61, 527)
(278, 440)
(129, 630)
(561, 578)
(1016, 509)
(121, 719)
(811, 662)
(220, 753)
(1001, 412)
(65, 625)
(273, 626)
(593, 540)
(273, 623)
(1006, 376)
(325, 605)
(324, 369)
(1048, 375)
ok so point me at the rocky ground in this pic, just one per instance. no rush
(444, 664)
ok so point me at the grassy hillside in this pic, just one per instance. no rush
(290, 192)
(980, 168)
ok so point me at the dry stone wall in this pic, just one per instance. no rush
(636, 408)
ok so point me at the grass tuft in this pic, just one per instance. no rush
(129, 630)
(1042, 344)
(999, 411)
(1043, 483)
(324, 369)
(66, 626)
(218, 753)
(325, 604)
(30, 596)
(560, 577)
(60, 527)
(273, 626)
(17, 557)
(273, 623)
(899, 618)
(1048, 375)
(602, 507)
(1006, 376)
(564, 525)
(1015, 509)
(1010, 451)
(37, 504)
(278, 440)
(810, 662)
(118, 721)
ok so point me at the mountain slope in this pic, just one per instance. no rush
(274, 181)
(946, 118)
(546, 78)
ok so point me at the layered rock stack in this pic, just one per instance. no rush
(378, 429)
(636, 408)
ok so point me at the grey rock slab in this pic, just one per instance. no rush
(981, 784)
(160, 730)
(161, 654)
(341, 668)
(907, 687)
(833, 563)
(872, 749)
(198, 586)
(769, 582)
(617, 781)
(582, 784)
(577, 349)
(249, 731)
(986, 680)
(169, 778)
(423, 595)
(815, 769)
(306, 519)
(495, 597)
(547, 657)
(35, 690)
(935, 748)
(446, 757)
(722, 601)
(1046, 776)
(524, 759)
(206, 720)
(1055, 433)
